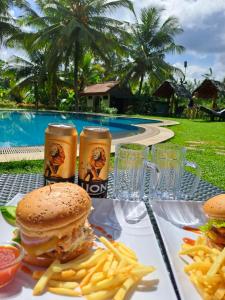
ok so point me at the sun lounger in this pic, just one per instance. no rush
(212, 113)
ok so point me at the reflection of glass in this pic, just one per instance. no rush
(172, 164)
(129, 174)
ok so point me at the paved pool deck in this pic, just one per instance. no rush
(154, 133)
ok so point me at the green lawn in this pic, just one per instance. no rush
(205, 142)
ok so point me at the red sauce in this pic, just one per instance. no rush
(189, 241)
(8, 269)
(26, 270)
(195, 230)
(102, 231)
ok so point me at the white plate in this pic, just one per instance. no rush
(140, 237)
(171, 216)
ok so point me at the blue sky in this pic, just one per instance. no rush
(203, 22)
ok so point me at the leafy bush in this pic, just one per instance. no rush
(140, 105)
(107, 110)
(66, 103)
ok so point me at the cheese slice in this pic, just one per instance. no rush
(37, 250)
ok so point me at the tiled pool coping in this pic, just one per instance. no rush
(153, 133)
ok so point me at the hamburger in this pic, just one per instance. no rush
(52, 223)
(214, 229)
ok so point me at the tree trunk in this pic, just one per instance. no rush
(53, 91)
(75, 74)
(140, 85)
(36, 96)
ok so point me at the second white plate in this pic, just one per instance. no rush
(171, 216)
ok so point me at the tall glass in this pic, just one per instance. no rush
(131, 162)
(172, 163)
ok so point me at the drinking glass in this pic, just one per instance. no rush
(131, 162)
(172, 163)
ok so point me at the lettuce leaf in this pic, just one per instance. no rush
(211, 223)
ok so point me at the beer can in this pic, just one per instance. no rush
(60, 153)
(94, 158)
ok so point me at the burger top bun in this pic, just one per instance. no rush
(55, 206)
(215, 207)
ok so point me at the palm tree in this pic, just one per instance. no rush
(30, 73)
(90, 72)
(73, 27)
(151, 41)
(8, 27)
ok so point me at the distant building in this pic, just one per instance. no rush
(109, 93)
(171, 91)
(210, 89)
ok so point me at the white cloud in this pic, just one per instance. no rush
(193, 71)
(190, 12)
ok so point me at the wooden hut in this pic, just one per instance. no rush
(171, 91)
(109, 93)
(210, 89)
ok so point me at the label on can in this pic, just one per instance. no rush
(60, 158)
(94, 167)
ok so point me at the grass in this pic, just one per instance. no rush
(205, 142)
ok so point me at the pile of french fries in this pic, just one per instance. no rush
(207, 269)
(106, 273)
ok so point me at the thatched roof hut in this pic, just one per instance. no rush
(169, 89)
(209, 89)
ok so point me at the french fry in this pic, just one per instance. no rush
(97, 277)
(142, 271)
(217, 263)
(104, 284)
(63, 284)
(198, 265)
(206, 272)
(195, 249)
(80, 274)
(63, 291)
(128, 250)
(124, 253)
(96, 268)
(113, 268)
(108, 263)
(75, 263)
(102, 274)
(111, 247)
(42, 282)
(118, 255)
(101, 295)
(67, 274)
(220, 293)
(120, 295)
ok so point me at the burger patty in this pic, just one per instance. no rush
(217, 235)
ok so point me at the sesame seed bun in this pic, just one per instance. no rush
(53, 208)
(215, 207)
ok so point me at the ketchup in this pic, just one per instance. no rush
(189, 241)
(8, 264)
(191, 229)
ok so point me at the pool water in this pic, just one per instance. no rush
(26, 128)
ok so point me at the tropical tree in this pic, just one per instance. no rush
(152, 39)
(30, 73)
(8, 26)
(90, 72)
(71, 27)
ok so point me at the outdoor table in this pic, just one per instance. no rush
(11, 184)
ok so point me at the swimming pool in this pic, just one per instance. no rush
(26, 128)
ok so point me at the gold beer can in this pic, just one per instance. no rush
(60, 153)
(94, 158)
